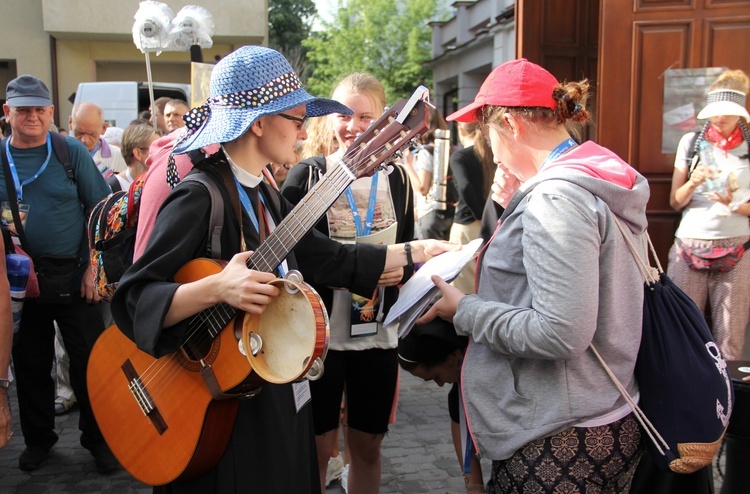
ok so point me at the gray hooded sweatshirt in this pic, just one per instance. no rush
(557, 276)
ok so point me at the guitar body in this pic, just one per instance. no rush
(187, 432)
(197, 427)
(171, 417)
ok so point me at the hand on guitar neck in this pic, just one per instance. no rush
(245, 289)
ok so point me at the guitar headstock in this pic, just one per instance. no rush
(392, 132)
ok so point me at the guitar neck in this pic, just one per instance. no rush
(277, 246)
(301, 220)
(387, 135)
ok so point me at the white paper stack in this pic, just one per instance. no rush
(417, 293)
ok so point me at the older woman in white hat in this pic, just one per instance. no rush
(711, 186)
(256, 111)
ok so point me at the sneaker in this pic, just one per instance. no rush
(345, 478)
(104, 459)
(335, 467)
(63, 406)
(32, 458)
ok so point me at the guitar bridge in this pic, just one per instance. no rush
(142, 397)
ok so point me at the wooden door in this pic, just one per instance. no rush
(562, 37)
(639, 40)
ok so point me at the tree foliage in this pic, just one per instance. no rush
(388, 38)
(290, 22)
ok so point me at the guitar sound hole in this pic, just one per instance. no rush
(197, 350)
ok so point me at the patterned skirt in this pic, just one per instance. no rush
(594, 460)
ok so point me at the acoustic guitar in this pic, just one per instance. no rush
(171, 417)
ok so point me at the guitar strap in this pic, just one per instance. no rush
(259, 211)
(212, 384)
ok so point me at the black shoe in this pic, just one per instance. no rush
(104, 459)
(32, 458)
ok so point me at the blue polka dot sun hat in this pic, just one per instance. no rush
(249, 83)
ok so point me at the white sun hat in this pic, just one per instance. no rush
(725, 102)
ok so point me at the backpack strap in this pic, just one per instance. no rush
(275, 197)
(60, 147)
(745, 134)
(113, 183)
(407, 185)
(314, 171)
(10, 189)
(7, 241)
(216, 219)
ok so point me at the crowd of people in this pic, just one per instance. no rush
(510, 334)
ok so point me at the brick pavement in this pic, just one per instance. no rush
(418, 454)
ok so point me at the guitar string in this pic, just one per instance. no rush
(336, 180)
(338, 177)
(210, 315)
(272, 245)
(170, 371)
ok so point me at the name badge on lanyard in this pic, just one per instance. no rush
(23, 208)
(363, 311)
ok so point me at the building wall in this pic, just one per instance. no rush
(91, 40)
(25, 43)
(89, 61)
(232, 19)
(467, 47)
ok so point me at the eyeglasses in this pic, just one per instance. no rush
(299, 120)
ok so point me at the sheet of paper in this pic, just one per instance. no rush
(408, 318)
(446, 265)
(383, 237)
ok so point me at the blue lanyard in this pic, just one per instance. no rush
(559, 151)
(364, 230)
(14, 172)
(245, 200)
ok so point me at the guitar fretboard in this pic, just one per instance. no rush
(387, 135)
(279, 244)
(301, 220)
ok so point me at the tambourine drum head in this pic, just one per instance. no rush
(287, 328)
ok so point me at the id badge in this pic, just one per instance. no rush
(6, 216)
(365, 315)
(302, 394)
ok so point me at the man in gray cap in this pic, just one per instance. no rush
(54, 181)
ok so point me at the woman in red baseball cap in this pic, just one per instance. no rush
(556, 277)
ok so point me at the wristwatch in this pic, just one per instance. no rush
(4, 383)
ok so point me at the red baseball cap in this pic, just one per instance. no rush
(512, 84)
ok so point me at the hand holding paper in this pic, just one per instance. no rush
(419, 291)
(446, 306)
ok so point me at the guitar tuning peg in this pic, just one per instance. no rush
(389, 169)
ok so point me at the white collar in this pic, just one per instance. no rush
(243, 176)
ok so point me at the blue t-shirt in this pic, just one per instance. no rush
(56, 221)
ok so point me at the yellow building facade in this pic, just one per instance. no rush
(66, 42)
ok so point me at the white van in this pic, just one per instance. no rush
(121, 102)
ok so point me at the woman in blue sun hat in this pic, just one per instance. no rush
(256, 111)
